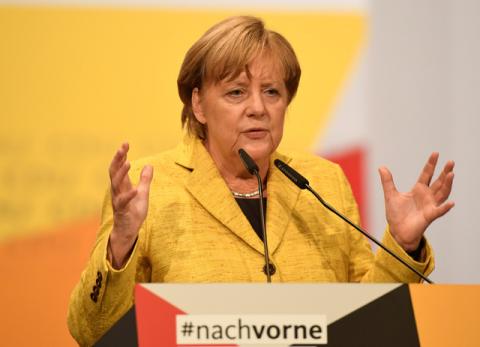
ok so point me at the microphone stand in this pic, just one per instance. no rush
(378, 243)
(264, 231)
(303, 183)
(252, 167)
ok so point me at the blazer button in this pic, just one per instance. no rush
(99, 275)
(272, 267)
(99, 282)
(93, 297)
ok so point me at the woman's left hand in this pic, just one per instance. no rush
(409, 214)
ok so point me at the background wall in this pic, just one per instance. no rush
(385, 83)
(424, 87)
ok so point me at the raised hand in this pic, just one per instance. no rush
(409, 214)
(129, 204)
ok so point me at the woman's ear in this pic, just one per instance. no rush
(197, 106)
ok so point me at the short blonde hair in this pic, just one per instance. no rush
(223, 52)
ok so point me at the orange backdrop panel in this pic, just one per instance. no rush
(447, 315)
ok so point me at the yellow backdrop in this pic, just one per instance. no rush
(74, 84)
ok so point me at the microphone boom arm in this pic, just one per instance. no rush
(302, 183)
(371, 238)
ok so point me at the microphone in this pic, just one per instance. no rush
(250, 165)
(293, 175)
(252, 168)
(303, 183)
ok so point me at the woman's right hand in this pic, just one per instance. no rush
(130, 206)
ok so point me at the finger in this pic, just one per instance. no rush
(118, 159)
(122, 200)
(438, 183)
(428, 170)
(387, 182)
(444, 191)
(146, 177)
(441, 210)
(121, 181)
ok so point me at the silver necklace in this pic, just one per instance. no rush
(245, 195)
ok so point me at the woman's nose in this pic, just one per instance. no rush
(256, 105)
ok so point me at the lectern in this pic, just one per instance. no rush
(386, 315)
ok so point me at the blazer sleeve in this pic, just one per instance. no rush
(364, 266)
(104, 294)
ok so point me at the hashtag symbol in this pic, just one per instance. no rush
(187, 329)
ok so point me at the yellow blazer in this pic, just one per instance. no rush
(196, 232)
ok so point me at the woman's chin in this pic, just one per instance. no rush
(259, 151)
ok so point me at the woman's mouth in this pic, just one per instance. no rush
(256, 133)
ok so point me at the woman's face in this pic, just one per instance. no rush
(247, 112)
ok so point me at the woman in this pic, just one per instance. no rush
(195, 220)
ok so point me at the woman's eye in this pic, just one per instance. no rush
(272, 91)
(235, 93)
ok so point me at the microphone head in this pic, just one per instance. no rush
(293, 175)
(249, 163)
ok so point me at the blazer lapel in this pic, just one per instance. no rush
(210, 190)
(281, 200)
